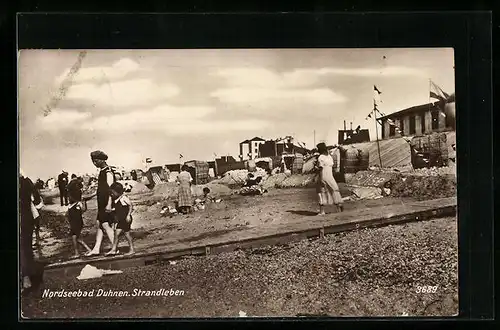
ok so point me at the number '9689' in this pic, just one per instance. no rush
(427, 289)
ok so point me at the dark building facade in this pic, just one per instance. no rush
(227, 163)
(353, 136)
(173, 167)
(418, 120)
(272, 149)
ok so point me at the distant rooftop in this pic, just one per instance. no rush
(414, 109)
(254, 139)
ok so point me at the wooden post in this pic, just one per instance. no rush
(428, 122)
(376, 132)
(418, 124)
(406, 125)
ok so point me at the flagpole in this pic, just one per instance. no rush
(376, 132)
(429, 93)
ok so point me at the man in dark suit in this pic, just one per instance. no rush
(62, 181)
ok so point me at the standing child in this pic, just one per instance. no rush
(123, 217)
(75, 212)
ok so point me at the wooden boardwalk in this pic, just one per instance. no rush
(217, 242)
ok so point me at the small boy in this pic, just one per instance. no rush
(123, 217)
(209, 197)
(75, 211)
(206, 195)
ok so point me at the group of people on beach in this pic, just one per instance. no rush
(114, 208)
(114, 215)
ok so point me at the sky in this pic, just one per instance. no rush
(134, 104)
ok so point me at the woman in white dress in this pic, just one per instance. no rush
(328, 190)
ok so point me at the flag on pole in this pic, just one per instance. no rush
(437, 93)
(181, 156)
(369, 115)
(376, 95)
(149, 160)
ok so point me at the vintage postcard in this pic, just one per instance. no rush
(237, 183)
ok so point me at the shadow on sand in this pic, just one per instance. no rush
(304, 213)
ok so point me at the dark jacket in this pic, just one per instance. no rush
(26, 190)
(62, 180)
(103, 192)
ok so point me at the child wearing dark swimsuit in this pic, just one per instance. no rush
(75, 211)
(123, 217)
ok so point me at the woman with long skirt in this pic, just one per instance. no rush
(328, 190)
(185, 199)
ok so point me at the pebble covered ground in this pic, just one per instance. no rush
(369, 272)
(424, 187)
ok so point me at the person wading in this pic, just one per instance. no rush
(62, 181)
(104, 200)
(328, 190)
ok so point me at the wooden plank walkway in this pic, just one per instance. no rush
(317, 226)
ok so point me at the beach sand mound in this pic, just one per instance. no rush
(273, 180)
(372, 178)
(238, 177)
(137, 187)
(298, 181)
(424, 187)
(166, 189)
(215, 189)
(170, 189)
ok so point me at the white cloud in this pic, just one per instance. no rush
(254, 84)
(170, 121)
(199, 126)
(122, 93)
(264, 78)
(253, 95)
(58, 119)
(390, 71)
(162, 117)
(118, 70)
